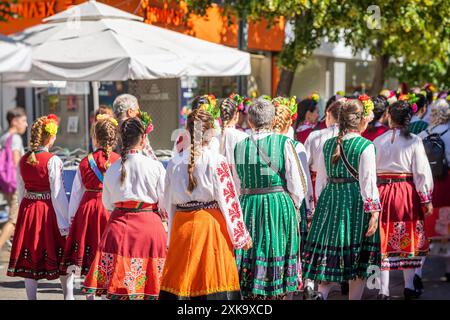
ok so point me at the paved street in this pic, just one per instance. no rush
(13, 288)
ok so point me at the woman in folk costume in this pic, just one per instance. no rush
(316, 140)
(205, 221)
(377, 126)
(208, 103)
(406, 184)
(229, 135)
(43, 202)
(438, 224)
(322, 124)
(272, 190)
(308, 114)
(285, 113)
(87, 214)
(343, 241)
(418, 103)
(131, 254)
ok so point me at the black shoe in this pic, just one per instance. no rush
(310, 294)
(344, 288)
(418, 284)
(411, 294)
(382, 297)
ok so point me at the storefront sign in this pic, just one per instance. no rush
(36, 9)
(162, 15)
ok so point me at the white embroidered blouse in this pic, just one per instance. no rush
(315, 142)
(398, 154)
(214, 183)
(230, 138)
(367, 176)
(144, 182)
(57, 190)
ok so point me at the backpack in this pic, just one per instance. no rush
(8, 169)
(435, 150)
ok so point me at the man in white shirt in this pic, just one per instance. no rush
(17, 121)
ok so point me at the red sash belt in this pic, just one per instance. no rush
(136, 205)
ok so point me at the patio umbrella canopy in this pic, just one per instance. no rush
(96, 42)
(14, 56)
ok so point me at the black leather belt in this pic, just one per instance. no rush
(195, 205)
(342, 180)
(264, 190)
(392, 180)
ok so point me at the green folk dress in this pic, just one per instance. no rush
(270, 267)
(418, 126)
(336, 248)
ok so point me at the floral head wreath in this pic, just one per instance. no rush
(147, 121)
(314, 97)
(102, 117)
(211, 107)
(266, 97)
(239, 101)
(291, 103)
(340, 94)
(367, 104)
(412, 99)
(51, 124)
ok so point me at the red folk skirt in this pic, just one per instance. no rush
(85, 232)
(38, 246)
(438, 224)
(130, 257)
(402, 230)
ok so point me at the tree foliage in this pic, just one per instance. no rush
(412, 33)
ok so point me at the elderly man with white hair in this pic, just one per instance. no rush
(126, 106)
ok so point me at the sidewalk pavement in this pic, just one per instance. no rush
(14, 288)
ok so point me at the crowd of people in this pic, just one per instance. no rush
(261, 199)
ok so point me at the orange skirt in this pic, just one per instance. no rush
(200, 263)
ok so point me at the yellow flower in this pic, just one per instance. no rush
(113, 121)
(315, 97)
(101, 117)
(51, 128)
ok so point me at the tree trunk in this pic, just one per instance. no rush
(381, 64)
(285, 82)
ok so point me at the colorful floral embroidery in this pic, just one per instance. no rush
(136, 278)
(420, 235)
(425, 196)
(371, 205)
(104, 270)
(160, 267)
(396, 237)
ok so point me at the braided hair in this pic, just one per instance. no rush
(131, 131)
(350, 116)
(380, 106)
(198, 123)
(199, 101)
(228, 110)
(38, 137)
(106, 136)
(401, 113)
(282, 118)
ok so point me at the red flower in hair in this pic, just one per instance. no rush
(53, 117)
(363, 97)
(294, 116)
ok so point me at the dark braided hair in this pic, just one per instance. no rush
(197, 118)
(131, 131)
(421, 102)
(228, 109)
(304, 106)
(401, 113)
(350, 116)
(199, 101)
(380, 106)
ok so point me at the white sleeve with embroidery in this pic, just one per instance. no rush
(321, 178)
(308, 149)
(58, 194)
(76, 195)
(227, 198)
(367, 175)
(20, 186)
(423, 178)
(160, 191)
(302, 154)
(295, 178)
